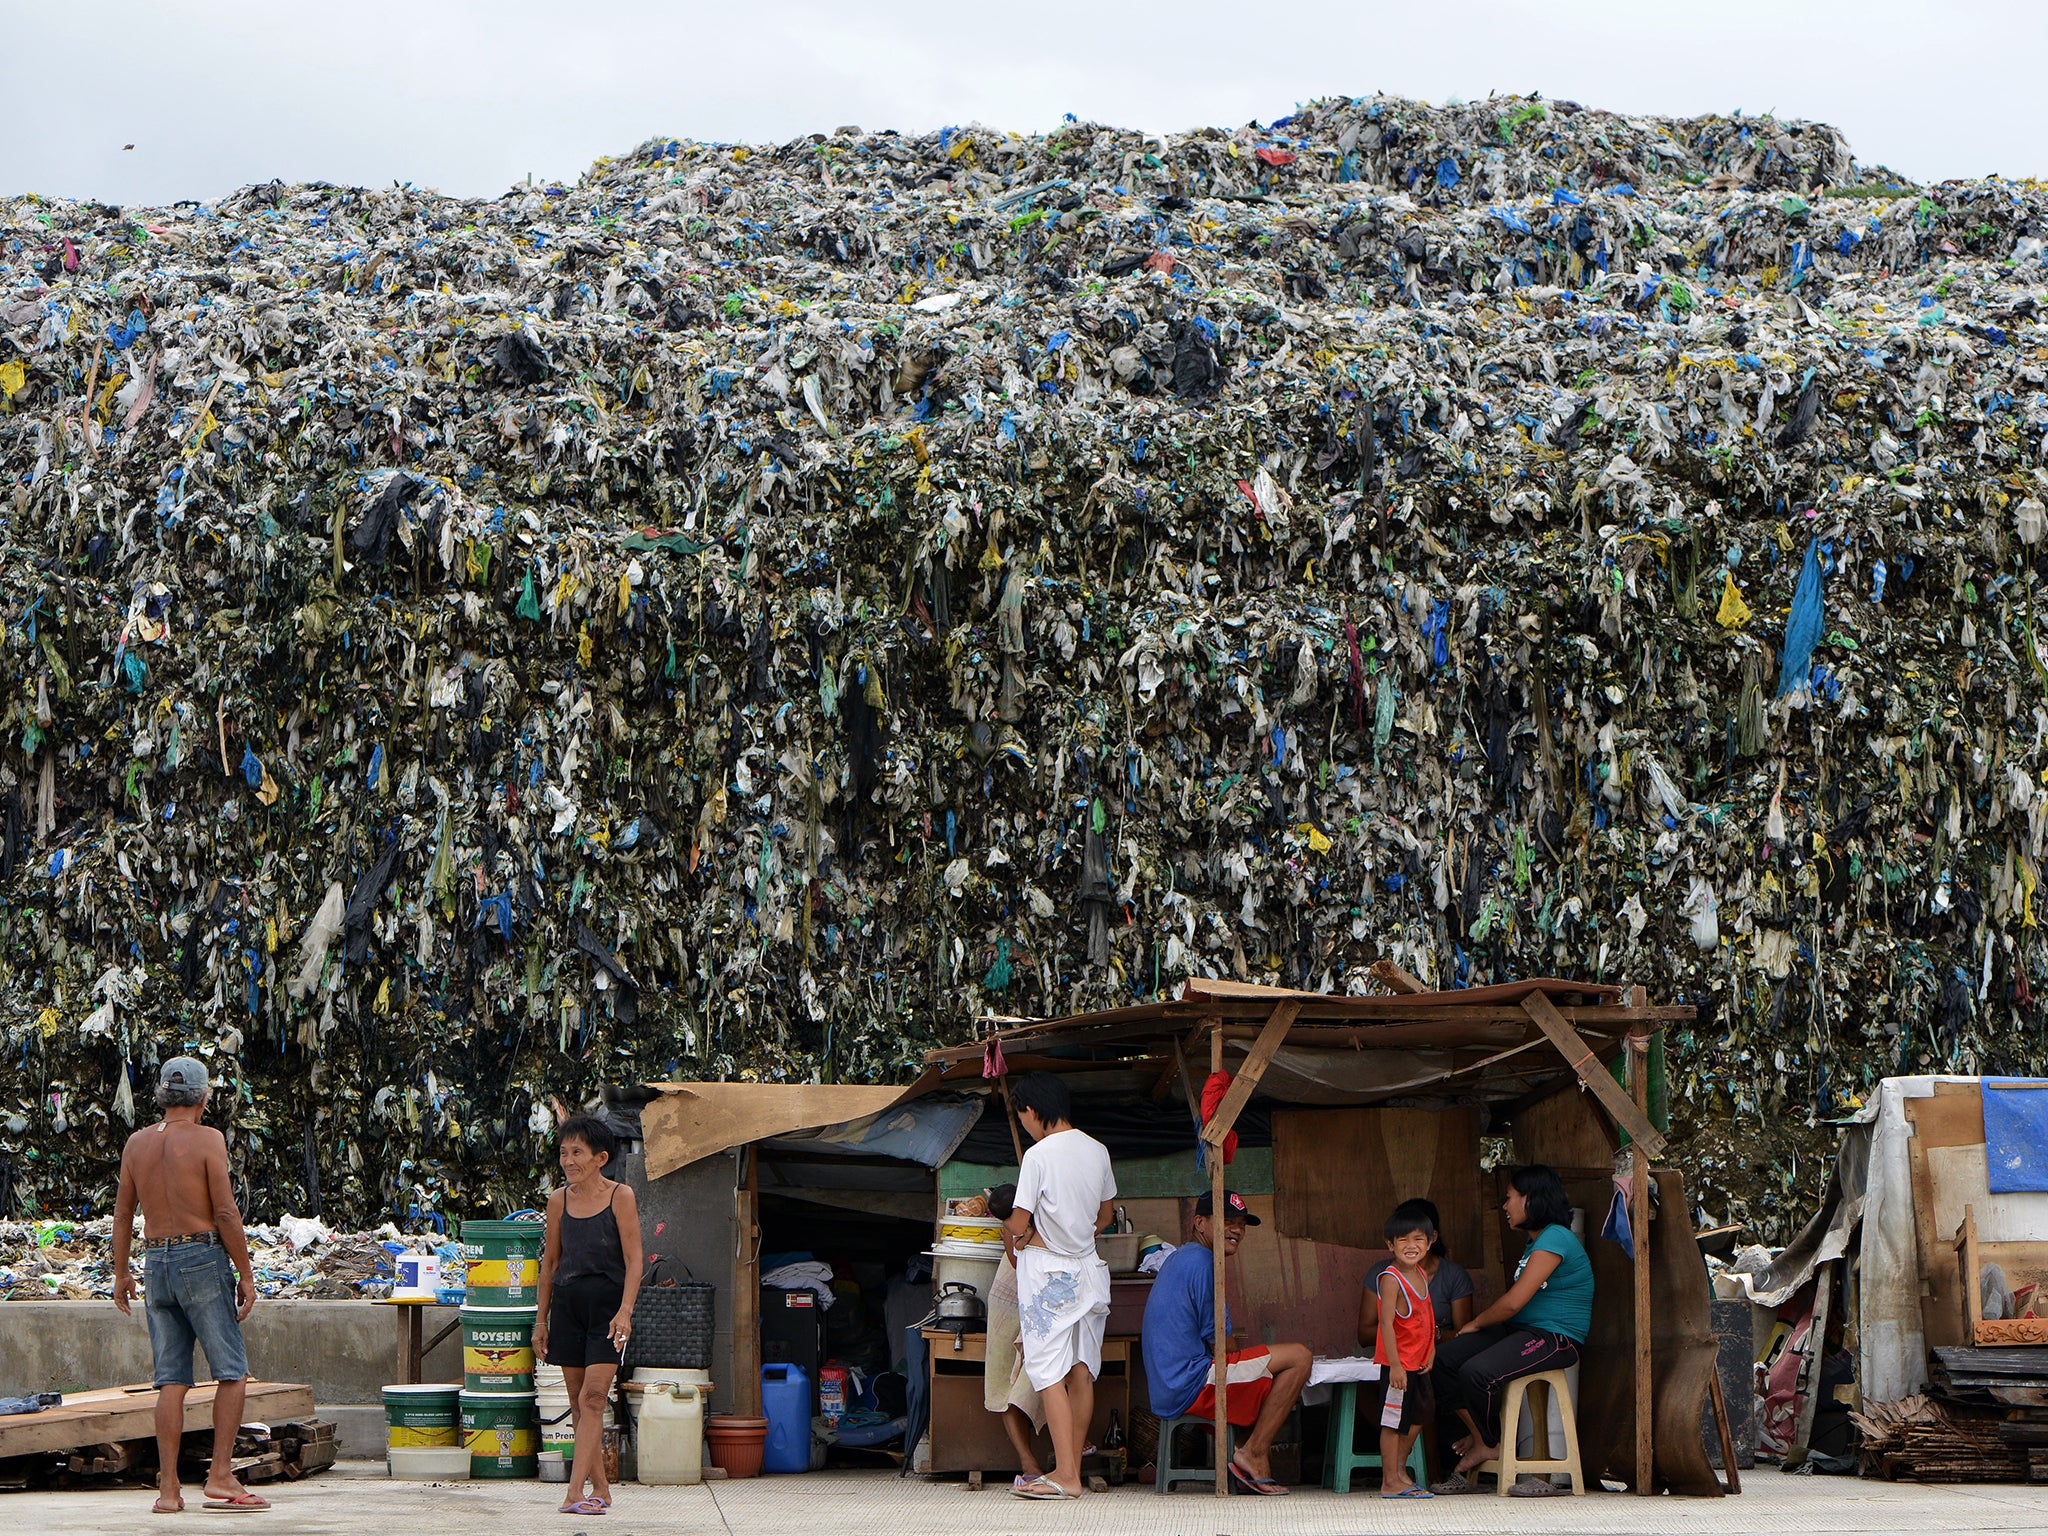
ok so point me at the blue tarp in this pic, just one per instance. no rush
(1803, 629)
(2016, 1135)
(926, 1131)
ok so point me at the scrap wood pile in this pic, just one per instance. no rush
(754, 610)
(1919, 1440)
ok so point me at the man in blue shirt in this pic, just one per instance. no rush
(1261, 1385)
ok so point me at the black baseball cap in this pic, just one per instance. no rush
(1233, 1207)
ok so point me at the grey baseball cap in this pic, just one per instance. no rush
(182, 1072)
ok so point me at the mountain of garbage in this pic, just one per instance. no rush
(758, 609)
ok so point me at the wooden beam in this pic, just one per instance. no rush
(1010, 1110)
(1582, 1059)
(1217, 1245)
(1639, 1232)
(1391, 974)
(1331, 1014)
(1255, 1063)
(1732, 1472)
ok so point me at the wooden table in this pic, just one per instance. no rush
(413, 1345)
(966, 1437)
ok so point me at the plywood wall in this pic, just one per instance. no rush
(1339, 1173)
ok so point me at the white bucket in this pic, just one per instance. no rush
(556, 1411)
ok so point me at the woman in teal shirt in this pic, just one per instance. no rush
(1539, 1325)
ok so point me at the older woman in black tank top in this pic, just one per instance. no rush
(589, 1276)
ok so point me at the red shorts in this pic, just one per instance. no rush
(1249, 1374)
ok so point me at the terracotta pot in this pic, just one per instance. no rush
(736, 1443)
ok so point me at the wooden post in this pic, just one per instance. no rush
(1215, 1153)
(746, 1302)
(1009, 1109)
(1639, 1232)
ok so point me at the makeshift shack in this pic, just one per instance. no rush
(1343, 1104)
(1929, 1255)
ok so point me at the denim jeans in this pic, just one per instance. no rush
(190, 1295)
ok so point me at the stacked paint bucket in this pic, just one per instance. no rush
(422, 1417)
(498, 1425)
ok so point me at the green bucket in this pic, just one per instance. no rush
(428, 1415)
(499, 1430)
(497, 1349)
(502, 1262)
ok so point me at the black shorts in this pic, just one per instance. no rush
(580, 1322)
(1418, 1406)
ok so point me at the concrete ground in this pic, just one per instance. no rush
(356, 1498)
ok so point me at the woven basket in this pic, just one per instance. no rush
(673, 1325)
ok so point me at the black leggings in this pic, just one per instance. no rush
(1472, 1369)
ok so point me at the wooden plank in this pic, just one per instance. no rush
(1728, 1467)
(129, 1413)
(1973, 1291)
(1563, 1128)
(1337, 1173)
(1255, 1063)
(1639, 1229)
(1392, 974)
(1217, 1208)
(1581, 1058)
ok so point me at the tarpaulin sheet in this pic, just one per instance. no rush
(2016, 1134)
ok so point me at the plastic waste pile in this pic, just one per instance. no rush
(297, 1259)
(757, 609)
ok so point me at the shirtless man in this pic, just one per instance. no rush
(178, 1170)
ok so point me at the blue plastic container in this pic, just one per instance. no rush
(786, 1404)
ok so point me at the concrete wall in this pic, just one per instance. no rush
(344, 1350)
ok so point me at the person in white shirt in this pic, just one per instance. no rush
(1064, 1193)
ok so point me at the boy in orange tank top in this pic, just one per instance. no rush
(1406, 1347)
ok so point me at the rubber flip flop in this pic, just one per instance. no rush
(1264, 1486)
(1410, 1492)
(241, 1504)
(582, 1507)
(1043, 1488)
(161, 1508)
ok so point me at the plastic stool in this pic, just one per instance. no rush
(1171, 1471)
(1537, 1389)
(1341, 1456)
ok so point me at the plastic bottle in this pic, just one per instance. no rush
(1115, 1450)
(832, 1392)
(671, 1435)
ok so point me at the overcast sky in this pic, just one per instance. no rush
(472, 95)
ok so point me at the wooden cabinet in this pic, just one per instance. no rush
(966, 1437)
